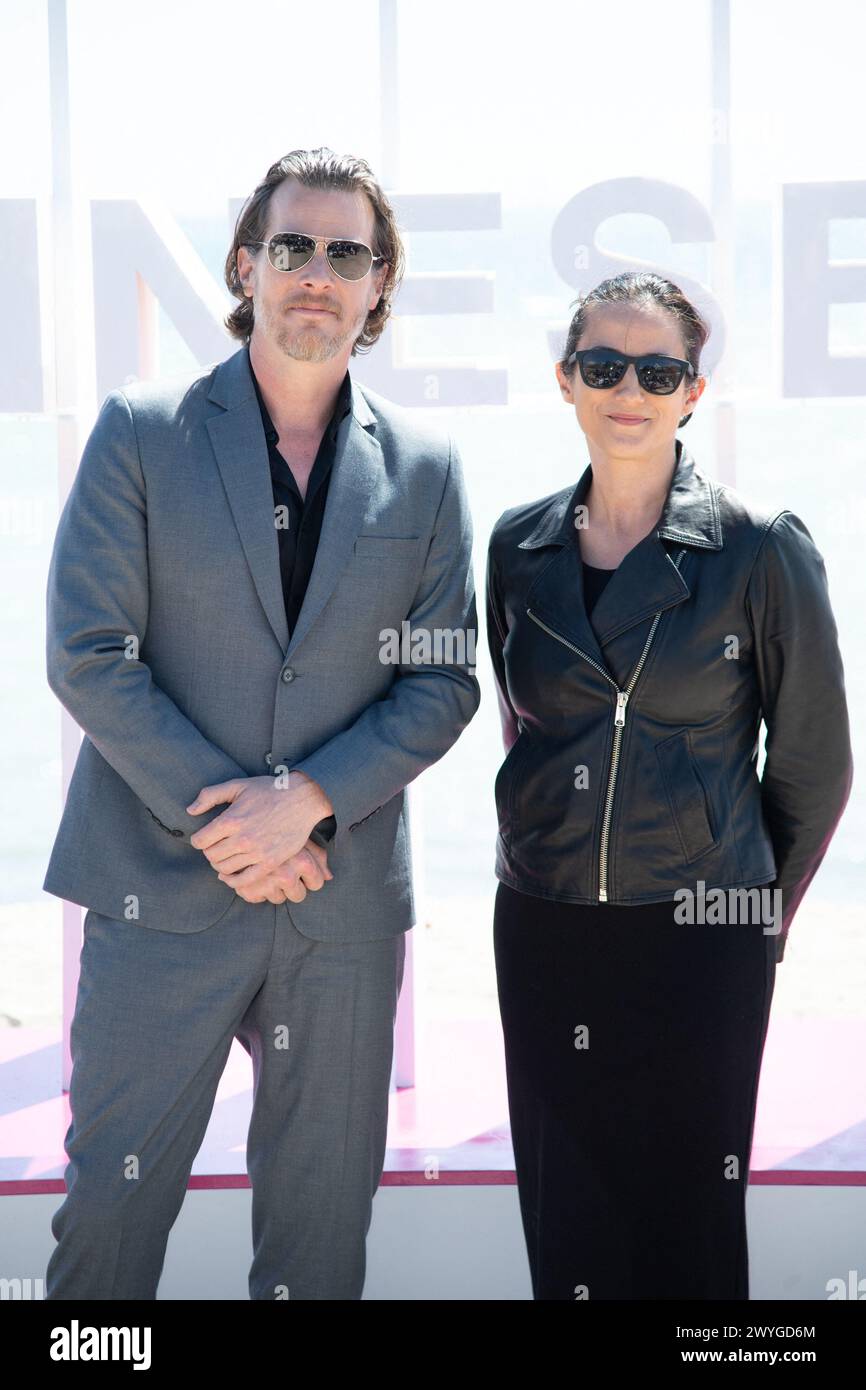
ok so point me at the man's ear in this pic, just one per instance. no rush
(244, 276)
(383, 275)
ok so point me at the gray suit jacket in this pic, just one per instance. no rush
(168, 540)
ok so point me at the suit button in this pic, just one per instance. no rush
(288, 674)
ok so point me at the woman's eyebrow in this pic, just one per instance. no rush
(653, 352)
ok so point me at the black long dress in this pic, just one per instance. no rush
(633, 1049)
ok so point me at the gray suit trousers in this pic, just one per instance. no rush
(154, 1020)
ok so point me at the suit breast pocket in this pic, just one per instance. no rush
(387, 548)
(377, 587)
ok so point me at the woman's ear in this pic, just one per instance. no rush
(564, 384)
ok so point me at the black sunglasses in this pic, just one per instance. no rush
(287, 251)
(602, 368)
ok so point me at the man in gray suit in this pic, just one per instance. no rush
(236, 548)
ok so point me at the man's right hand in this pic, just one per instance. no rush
(308, 869)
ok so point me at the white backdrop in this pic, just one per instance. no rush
(529, 153)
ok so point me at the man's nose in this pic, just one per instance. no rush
(319, 268)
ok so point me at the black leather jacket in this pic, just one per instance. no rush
(631, 756)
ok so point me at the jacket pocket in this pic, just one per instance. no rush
(686, 794)
(387, 547)
(505, 786)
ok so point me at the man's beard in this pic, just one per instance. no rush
(305, 343)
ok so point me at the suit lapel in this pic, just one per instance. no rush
(357, 464)
(241, 451)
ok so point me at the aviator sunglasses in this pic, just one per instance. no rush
(602, 368)
(350, 260)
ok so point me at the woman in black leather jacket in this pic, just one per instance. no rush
(641, 624)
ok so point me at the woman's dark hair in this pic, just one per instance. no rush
(320, 168)
(640, 287)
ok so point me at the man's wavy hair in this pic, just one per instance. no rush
(320, 168)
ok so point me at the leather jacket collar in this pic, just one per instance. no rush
(646, 582)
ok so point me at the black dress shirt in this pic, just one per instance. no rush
(299, 522)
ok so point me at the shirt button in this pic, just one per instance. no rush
(268, 759)
(288, 674)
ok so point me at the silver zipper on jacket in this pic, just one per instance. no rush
(618, 722)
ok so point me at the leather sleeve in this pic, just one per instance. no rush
(497, 631)
(809, 767)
